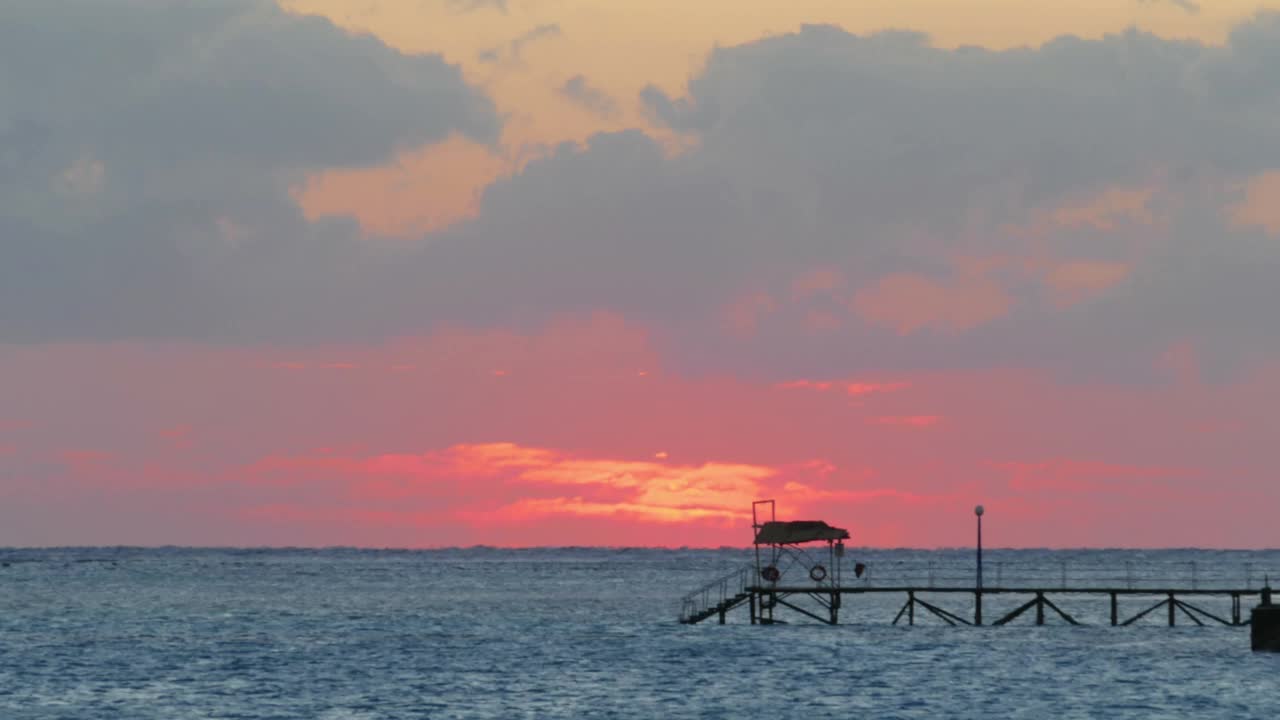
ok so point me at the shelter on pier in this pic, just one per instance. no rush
(795, 552)
(802, 555)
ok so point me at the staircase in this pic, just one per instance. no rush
(718, 596)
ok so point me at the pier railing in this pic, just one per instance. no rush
(1132, 575)
(718, 595)
(1197, 591)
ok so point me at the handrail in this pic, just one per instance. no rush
(716, 592)
(1069, 573)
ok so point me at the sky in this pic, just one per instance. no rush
(438, 273)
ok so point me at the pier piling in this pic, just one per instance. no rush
(1264, 634)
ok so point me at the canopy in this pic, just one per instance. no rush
(798, 531)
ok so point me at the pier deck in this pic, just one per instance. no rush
(761, 600)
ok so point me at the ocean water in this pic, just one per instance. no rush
(592, 633)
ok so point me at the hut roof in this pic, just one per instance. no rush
(798, 531)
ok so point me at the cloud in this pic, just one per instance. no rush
(473, 5)
(1187, 5)
(1074, 282)
(150, 194)
(1078, 170)
(910, 302)
(816, 204)
(561, 483)
(1261, 205)
(577, 90)
(672, 112)
(511, 52)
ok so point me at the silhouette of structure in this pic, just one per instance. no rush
(798, 569)
(1265, 633)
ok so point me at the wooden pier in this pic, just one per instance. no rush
(823, 604)
(798, 571)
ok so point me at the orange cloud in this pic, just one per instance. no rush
(908, 303)
(424, 190)
(1261, 205)
(807, 495)
(525, 510)
(659, 491)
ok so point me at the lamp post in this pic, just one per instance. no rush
(977, 594)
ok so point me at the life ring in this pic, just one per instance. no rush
(817, 573)
(770, 574)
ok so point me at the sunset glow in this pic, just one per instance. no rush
(435, 274)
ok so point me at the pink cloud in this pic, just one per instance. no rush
(1102, 211)
(1074, 282)
(910, 303)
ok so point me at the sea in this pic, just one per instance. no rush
(345, 634)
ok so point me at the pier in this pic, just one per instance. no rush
(822, 604)
(798, 574)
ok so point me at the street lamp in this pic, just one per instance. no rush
(977, 595)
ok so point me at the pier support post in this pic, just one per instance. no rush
(1039, 608)
(1235, 608)
(752, 601)
(977, 607)
(1173, 606)
(911, 607)
(1264, 634)
(1115, 609)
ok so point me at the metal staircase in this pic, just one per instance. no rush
(718, 596)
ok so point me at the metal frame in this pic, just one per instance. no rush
(784, 557)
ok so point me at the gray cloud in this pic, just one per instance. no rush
(146, 156)
(870, 155)
(883, 154)
(1188, 5)
(581, 93)
(473, 5)
(673, 113)
(512, 50)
